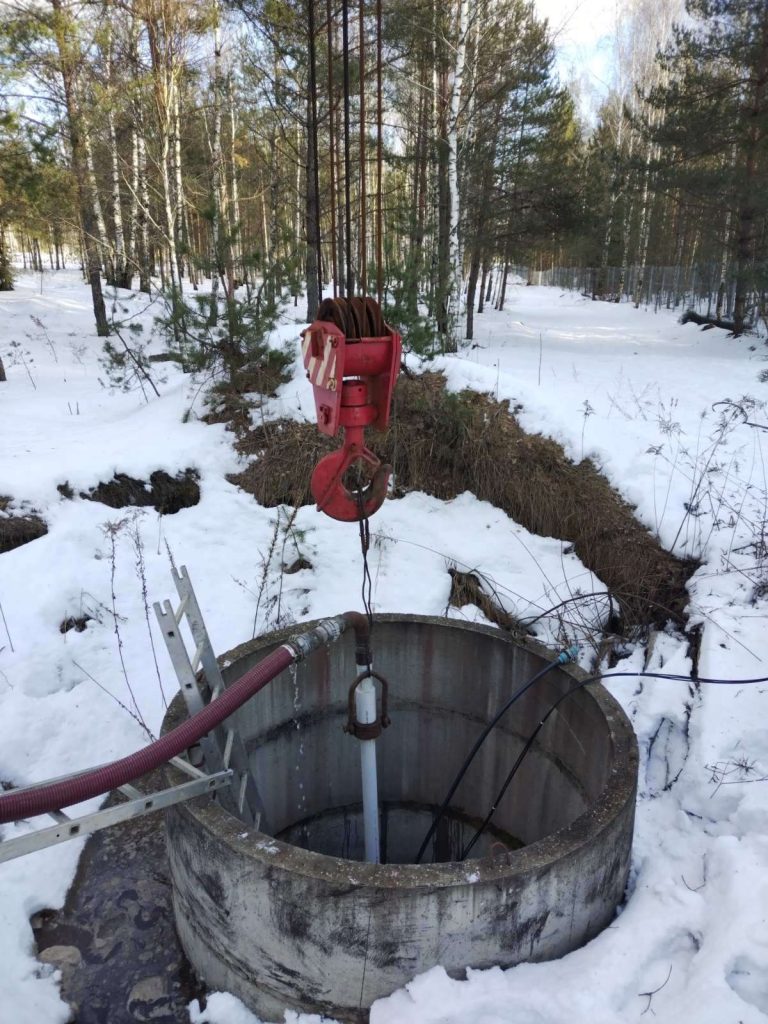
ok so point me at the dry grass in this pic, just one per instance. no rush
(467, 588)
(444, 444)
(285, 453)
(18, 530)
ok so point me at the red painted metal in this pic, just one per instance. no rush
(353, 380)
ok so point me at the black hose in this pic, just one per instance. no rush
(562, 659)
(590, 679)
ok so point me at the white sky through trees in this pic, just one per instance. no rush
(584, 33)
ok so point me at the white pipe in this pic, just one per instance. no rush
(365, 709)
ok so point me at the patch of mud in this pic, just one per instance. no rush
(77, 622)
(114, 940)
(164, 492)
(17, 529)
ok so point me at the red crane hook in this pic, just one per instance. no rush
(352, 359)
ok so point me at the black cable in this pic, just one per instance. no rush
(561, 660)
(584, 682)
(365, 543)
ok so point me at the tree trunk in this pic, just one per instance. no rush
(180, 203)
(131, 235)
(481, 300)
(216, 168)
(612, 201)
(745, 243)
(297, 218)
(70, 60)
(645, 222)
(312, 220)
(122, 272)
(170, 214)
(503, 286)
(235, 216)
(474, 272)
(454, 241)
(100, 226)
(142, 224)
(443, 282)
(6, 277)
(312, 204)
(723, 267)
(165, 85)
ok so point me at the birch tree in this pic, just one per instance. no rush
(466, 13)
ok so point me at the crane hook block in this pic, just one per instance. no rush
(352, 358)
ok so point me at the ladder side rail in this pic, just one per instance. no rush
(70, 828)
(249, 799)
(191, 692)
(199, 631)
(245, 799)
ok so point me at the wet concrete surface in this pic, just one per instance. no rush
(114, 940)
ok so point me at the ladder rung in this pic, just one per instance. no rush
(241, 795)
(189, 769)
(198, 655)
(180, 610)
(131, 792)
(228, 747)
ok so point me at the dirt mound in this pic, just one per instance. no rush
(166, 493)
(16, 529)
(444, 444)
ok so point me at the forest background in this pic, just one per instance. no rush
(197, 147)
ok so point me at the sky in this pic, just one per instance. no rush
(583, 31)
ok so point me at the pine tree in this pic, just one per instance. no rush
(714, 132)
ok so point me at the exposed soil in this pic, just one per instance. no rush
(16, 529)
(114, 939)
(444, 444)
(466, 588)
(79, 623)
(166, 493)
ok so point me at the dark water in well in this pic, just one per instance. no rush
(338, 832)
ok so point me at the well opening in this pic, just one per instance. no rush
(445, 685)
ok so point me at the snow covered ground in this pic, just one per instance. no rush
(632, 389)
